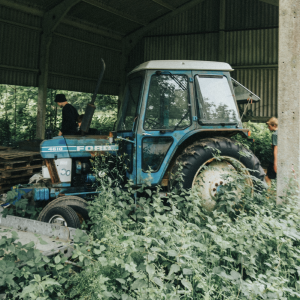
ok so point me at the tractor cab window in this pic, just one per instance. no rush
(128, 112)
(215, 100)
(168, 104)
(242, 94)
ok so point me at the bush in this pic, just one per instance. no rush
(262, 146)
(141, 246)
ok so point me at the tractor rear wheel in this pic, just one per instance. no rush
(223, 156)
(78, 204)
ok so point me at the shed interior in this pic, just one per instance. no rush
(58, 44)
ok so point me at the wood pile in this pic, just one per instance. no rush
(17, 166)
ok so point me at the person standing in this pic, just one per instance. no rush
(69, 116)
(272, 168)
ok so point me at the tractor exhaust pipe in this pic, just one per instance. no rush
(90, 108)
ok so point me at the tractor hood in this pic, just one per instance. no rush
(76, 146)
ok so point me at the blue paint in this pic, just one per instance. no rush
(61, 147)
(41, 194)
(90, 178)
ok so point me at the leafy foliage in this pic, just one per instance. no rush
(261, 146)
(142, 246)
(18, 110)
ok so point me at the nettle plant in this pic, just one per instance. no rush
(142, 246)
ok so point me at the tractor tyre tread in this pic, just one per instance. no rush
(199, 152)
(66, 212)
(78, 204)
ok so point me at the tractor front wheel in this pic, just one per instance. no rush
(77, 204)
(62, 216)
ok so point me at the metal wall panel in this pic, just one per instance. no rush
(193, 47)
(201, 18)
(250, 14)
(72, 61)
(262, 82)
(252, 47)
(19, 55)
(18, 16)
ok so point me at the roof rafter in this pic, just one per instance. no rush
(116, 12)
(272, 2)
(101, 30)
(164, 4)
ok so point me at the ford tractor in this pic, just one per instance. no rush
(173, 113)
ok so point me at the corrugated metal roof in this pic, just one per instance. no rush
(250, 33)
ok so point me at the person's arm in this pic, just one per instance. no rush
(275, 158)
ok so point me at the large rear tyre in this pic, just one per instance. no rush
(197, 157)
(78, 204)
(61, 215)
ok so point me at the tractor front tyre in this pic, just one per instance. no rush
(207, 162)
(78, 204)
(61, 215)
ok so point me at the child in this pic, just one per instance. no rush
(272, 168)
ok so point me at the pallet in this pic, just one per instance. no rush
(14, 165)
(17, 166)
(15, 173)
(6, 156)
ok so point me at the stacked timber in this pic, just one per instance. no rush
(17, 166)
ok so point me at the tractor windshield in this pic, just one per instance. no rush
(168, 103)
(216, 102)
(128, 111)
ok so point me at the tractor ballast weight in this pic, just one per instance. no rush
(174, 113)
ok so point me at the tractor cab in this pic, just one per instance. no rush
(170, 103)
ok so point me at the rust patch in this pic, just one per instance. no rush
(52, 170)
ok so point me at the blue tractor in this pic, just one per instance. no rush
(173, 113)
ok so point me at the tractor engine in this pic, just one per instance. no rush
(82, 174)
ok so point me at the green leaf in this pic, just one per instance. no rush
(150, 270)
(187, 272)
(157, 281)
(14, 235)
(46, 259)
(186, 284)
(174, 269)
(172, 253)
(57, 259)
(121, 280)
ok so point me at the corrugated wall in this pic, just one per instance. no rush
(74, 55)
(251, 45)
(19, 36)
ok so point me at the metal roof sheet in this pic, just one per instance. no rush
(183, 65)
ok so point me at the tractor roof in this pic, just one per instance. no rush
(183, 65)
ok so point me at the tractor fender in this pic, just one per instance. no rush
(196, 135)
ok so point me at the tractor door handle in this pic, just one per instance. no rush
(145, 133)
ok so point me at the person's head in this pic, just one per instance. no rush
(272, 124)
(61, 100)
(79, 119)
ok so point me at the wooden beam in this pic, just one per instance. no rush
(164, 4)
(116, 12)
(272, 2)
(132, 39)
